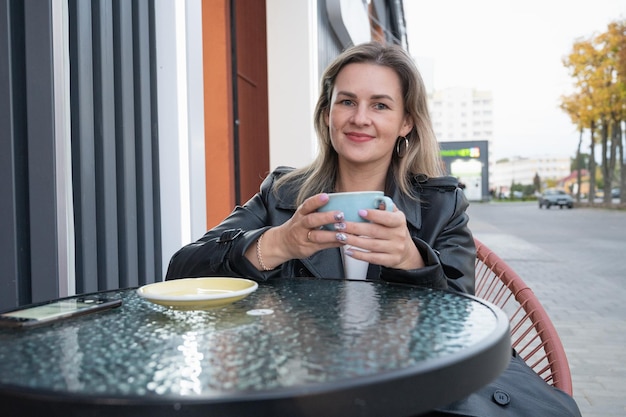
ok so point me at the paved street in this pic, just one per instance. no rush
(575, 262)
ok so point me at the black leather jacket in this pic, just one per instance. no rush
(437, 223)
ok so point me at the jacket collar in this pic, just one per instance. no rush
(412, 208)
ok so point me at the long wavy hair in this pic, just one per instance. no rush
(423, 153)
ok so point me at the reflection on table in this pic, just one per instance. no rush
(293, 347)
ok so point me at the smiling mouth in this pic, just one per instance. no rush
(358, 137)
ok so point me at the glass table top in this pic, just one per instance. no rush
(288, 333)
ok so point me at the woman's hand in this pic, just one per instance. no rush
(300, 236)
(385, 239)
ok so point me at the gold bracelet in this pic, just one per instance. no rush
(259, 257)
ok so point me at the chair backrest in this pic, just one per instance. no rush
(532, 332)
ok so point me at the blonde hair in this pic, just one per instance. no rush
(423, 153)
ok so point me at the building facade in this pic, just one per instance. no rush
(130, 127)
(462, 114)
(523, 171)
(463, 120)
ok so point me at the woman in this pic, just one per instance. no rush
(374, 133)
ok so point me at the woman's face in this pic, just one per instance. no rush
(366, 115)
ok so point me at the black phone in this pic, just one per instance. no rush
(53, 311)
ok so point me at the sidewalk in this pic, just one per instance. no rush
(584, 300)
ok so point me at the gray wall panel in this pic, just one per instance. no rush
(9, 204)
(125, 134)
(114, 144)
(147, 173)
(41, 149)
(107, 164)
(83, 152)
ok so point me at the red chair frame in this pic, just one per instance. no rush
(533, 335)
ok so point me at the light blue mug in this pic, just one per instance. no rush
(351, 202)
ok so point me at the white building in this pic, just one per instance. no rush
(523, 170)
(462, 114)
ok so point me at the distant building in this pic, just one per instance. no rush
(570, 183)
(523, 170)
(463, 121)
(462, 114)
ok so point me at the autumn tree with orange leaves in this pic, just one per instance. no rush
(598, 104)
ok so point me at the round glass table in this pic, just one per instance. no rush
(294, 347)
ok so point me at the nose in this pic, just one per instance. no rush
(360, 116)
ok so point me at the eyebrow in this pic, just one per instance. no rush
(374, 97)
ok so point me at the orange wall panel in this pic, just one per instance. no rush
(218, 117)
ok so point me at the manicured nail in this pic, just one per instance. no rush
(348, 252)
(363, 213)
(323, 197)
(340, 226)
(339, 217)
(341, 237)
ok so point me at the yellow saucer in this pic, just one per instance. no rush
(198, 293)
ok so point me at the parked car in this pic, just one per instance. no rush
(554, 197)
(615, 192)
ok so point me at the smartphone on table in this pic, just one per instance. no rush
(57, 310)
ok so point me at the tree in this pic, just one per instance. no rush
(582, 63)
(598, 66)
(578, 108)
(612, 99)
(621, 75)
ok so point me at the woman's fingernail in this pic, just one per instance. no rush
(341, 237)
(363, 213)
(340, 226)
(323, 197)
(339, 217)
(348, 252)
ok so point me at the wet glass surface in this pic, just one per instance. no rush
(288, 333)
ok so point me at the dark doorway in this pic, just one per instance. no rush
(250, 92)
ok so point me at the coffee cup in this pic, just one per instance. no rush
(351, 202)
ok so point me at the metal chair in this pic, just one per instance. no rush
(533, 335)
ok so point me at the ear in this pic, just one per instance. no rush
(407, 126)
(326, 116)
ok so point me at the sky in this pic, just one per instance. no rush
(515, 50)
